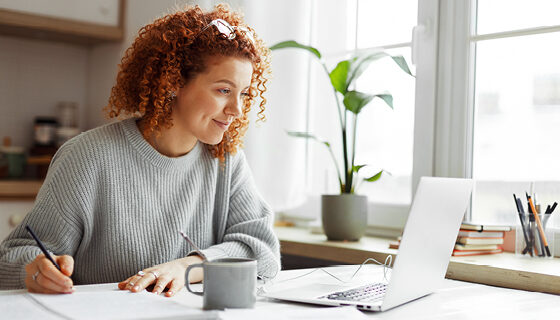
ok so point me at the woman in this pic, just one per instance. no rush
(116, 197)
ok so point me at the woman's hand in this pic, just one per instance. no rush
(43, 277)
(170, 275)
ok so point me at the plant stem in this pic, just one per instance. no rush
(355, 129)
(347, 173)
(343, 187)
(336, 166)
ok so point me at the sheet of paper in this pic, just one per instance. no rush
(21, 306)
(117, 304)
(316, 313)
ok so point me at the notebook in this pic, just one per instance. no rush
(422, 260)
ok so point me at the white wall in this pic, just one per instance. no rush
(34, 76)
(104, 59)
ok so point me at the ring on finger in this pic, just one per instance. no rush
(34, 276)
(141, 273)
(155, 273)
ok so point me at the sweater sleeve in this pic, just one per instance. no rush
(58, 230)
(249, 232)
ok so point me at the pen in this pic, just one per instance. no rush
(527, 226)
(193, 245)
(535, 236)
(553, 207)
(539, 225)
(536, 203)
(521, 218)
(42, 247)
(532, 232)
(527, 220)
(547, 214)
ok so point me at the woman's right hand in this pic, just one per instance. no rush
(43, 277)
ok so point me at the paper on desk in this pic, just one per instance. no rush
(117, 304)
(21, 306)
(310, 313)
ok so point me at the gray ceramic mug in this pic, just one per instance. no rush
(228, 283)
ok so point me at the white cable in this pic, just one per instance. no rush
(386, 265)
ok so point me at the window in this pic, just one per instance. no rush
(385, 137)
(499, 94)
(516, 104)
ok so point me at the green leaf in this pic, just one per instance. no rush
(354, 101)
(361, 62)
(307, 135)
(387, 97)
(402, 63)
(374, 177)
(295, 44)
(339, 75)
(359, 65)
(358, 167)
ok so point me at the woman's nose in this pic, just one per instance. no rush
(234, 108)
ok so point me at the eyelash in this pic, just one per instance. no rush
(243, 94)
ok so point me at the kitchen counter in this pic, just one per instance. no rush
(19, 189)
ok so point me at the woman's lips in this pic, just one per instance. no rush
(223, 125)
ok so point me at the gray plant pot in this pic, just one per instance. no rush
(344, 216)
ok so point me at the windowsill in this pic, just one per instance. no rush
(503, 270)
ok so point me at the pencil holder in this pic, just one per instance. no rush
(529, 241)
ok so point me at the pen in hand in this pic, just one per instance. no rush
(42, 247)
(193, 245)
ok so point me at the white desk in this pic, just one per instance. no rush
(457, 300)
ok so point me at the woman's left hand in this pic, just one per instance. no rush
(169, 275)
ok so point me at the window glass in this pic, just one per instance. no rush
(517, 121)
(504, 15)
(385, 135)
(385, 22)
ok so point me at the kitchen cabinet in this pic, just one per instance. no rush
(72, 21)
(16, 200)
(12, 213)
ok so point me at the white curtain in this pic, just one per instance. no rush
(292, 172)
(276, 159)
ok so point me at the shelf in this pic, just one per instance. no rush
(19, 189)
(502, 270)
(15, 23)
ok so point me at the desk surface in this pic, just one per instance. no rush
(456, 300)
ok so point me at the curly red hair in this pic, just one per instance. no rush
(172, 50)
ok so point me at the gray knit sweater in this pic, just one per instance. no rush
(116, 205)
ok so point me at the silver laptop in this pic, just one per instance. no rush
(422, 260)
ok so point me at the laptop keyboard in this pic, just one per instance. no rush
(368, 293)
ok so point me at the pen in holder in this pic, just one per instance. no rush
(529, 241)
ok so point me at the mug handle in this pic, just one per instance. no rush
(189, 268)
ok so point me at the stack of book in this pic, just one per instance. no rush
(479, 239)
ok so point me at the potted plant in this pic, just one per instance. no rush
(344, 215)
